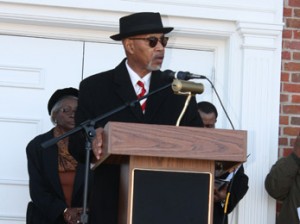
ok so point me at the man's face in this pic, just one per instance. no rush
(209, 120)
(145, 53)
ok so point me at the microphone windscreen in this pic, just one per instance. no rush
(168, 75)
(180, 86)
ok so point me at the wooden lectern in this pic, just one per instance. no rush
(167, 172)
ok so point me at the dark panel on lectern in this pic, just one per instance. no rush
(170, 197)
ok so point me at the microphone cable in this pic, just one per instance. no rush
(216, 92)
(225, 214)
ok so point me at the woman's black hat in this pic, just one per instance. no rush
(140, 23)
(59, 94)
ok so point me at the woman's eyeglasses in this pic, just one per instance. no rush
(68, 110)
(152, 41)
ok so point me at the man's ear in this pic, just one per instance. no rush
(128, 45)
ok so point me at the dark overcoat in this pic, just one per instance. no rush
(48, 202)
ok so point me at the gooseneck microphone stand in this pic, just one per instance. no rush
(88, 127)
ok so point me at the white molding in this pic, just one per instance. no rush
(94, 25)
(22, 77)
(12, 218)
(89, 22)
(260, 36)
(17, 119)
(22, 120)
(226, 9)
(14, 182)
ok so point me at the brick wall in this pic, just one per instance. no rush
(290, 79)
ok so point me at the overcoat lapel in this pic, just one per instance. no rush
(125, 90)
(155, 100)
(51, 168)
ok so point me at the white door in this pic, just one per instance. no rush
(31, 69)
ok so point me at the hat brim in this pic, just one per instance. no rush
(137, 32)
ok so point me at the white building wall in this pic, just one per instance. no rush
(244, 37)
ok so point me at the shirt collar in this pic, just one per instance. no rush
(134, 77)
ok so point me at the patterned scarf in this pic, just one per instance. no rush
(66, 161)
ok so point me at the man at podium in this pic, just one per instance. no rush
(144, 40)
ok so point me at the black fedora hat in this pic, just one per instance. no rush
(60, 94)
(140, 23)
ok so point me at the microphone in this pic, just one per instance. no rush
(180, 86)
(183, 75)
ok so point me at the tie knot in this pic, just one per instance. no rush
(141, 84)
(142, 90)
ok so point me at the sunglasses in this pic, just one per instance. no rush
(152, 41)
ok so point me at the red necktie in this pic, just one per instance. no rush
(141, 94)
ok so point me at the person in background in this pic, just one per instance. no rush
(144, 41)
(283, 184)
(56, 179)
(209, 115)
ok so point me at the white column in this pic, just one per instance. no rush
(259, 115)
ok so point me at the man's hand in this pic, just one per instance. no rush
(97, 143)
(297, 146)
(220, 195)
